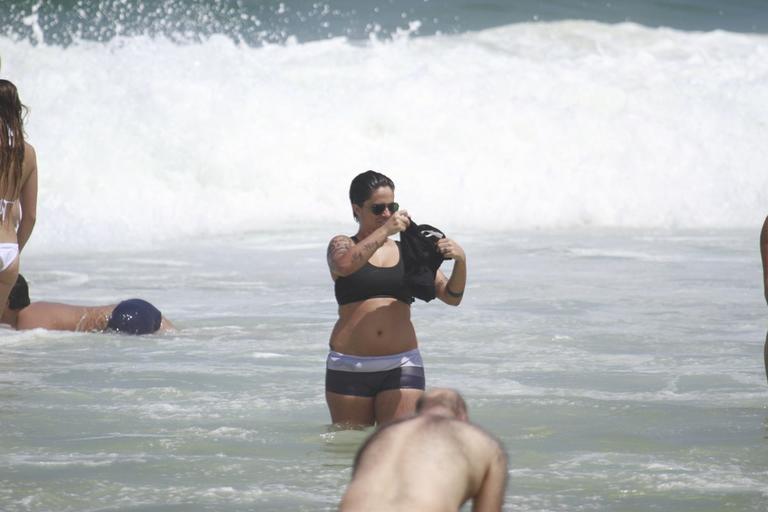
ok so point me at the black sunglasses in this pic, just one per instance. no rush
(379, 208)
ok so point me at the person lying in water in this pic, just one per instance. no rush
(764, 258)
(133, 316)
(433, 461)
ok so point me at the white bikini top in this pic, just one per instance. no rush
(4, 204)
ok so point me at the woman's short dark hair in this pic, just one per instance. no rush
(364, 185)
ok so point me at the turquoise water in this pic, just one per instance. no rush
(622, 371)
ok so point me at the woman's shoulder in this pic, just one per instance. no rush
(341, 239)
(30, 156)
(339, 244)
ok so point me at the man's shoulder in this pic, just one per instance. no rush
(438, 426)
(481, 439)
(463, 432)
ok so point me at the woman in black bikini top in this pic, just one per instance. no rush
(374, 371)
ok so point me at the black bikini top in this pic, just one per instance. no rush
(372, 281)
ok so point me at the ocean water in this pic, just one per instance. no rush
(621, 369)
(602, 163)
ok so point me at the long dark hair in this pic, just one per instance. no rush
(12, 114)
(364, 184)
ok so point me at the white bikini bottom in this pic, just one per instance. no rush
(346, 363)
(8, 253)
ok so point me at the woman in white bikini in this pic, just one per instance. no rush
(374, 372)
(18, 187)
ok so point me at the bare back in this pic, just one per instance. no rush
(428, 463)
(64, 317)
(28, 198)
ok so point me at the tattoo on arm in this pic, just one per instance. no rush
(453, 293)
(372, 246)
(341, 245)
(337, 248)
(442, 282)
(367, 251)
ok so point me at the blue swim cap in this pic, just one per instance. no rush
(135, 316)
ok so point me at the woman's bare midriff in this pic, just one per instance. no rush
(374, 327)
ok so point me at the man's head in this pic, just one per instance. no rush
(443, 402)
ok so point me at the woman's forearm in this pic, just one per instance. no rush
(454, 288)
(26, 226)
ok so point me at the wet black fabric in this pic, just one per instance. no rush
(19, 296)
(369, 384)
(418, 245)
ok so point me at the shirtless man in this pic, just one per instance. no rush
(764, 257)
(133, 316)
(433, 461)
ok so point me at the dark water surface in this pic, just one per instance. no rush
(62, 22)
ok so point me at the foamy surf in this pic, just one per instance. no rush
(553, 125)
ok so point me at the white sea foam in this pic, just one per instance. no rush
(55, 460)
(530, 125)
(267, 355)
